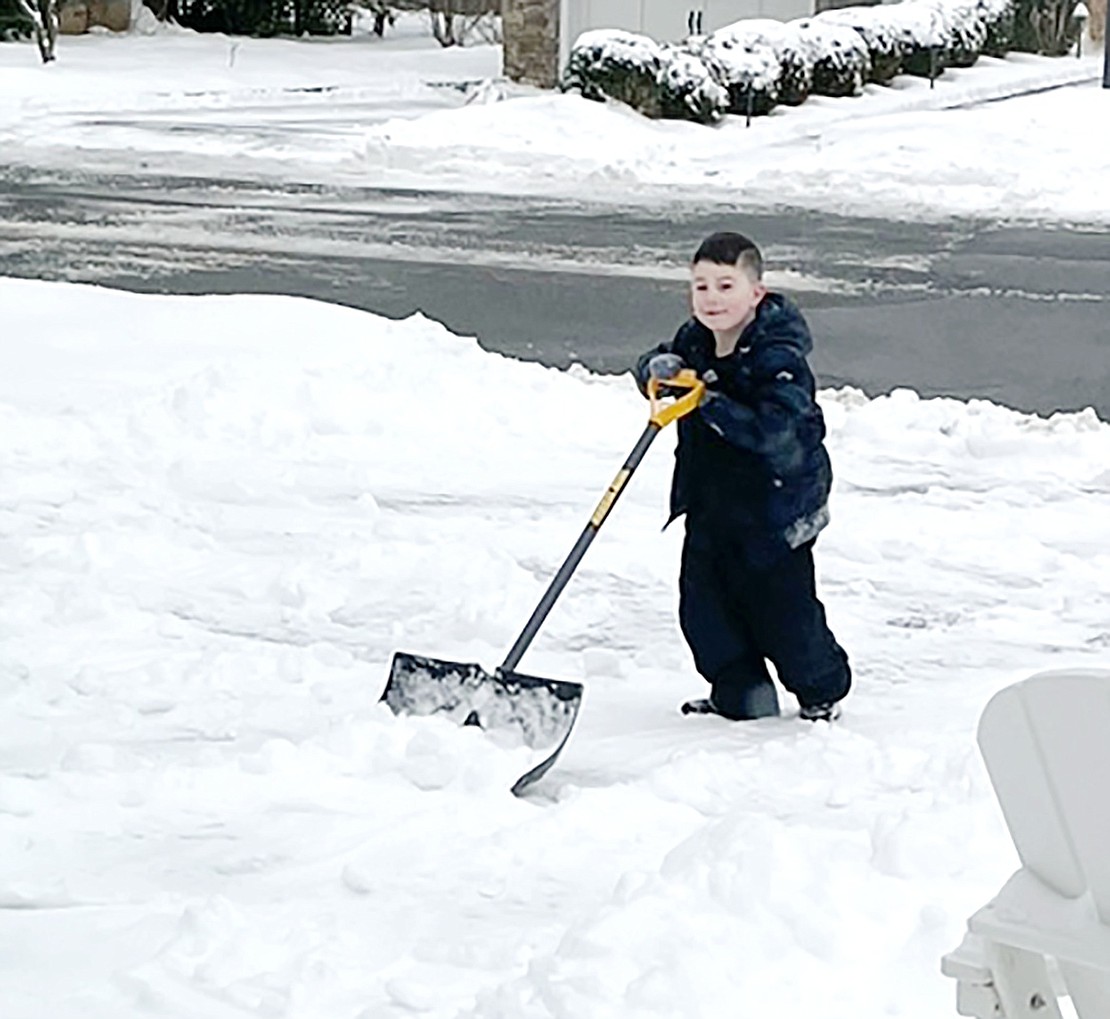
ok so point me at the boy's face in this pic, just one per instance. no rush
(724, 297)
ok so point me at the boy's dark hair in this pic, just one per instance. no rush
(726, 248)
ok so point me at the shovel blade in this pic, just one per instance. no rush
(538, 713)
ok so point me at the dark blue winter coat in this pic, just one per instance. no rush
(751, 464)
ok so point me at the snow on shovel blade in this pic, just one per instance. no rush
(536, 712)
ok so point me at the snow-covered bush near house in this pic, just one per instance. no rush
(795, 67)
(841, 63)
(611, 64)
(998, 23)
(965, 30)
(921, 31)
(656, 80)
(759, 63)
(883, 43)
(748, 70)
(688, 89)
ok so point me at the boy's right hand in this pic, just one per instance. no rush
(660, 365)
(665, 366)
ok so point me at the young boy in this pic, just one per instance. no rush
(752, 477)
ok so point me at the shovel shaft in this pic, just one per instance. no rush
(555, 588)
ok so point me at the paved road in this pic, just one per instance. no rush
(1020, 316)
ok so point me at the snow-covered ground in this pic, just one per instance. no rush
(220, 516)
(403, 111)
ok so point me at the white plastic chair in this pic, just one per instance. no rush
(1046, 934)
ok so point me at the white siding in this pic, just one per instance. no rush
(719, 13)
(668, 20)
(584, 15)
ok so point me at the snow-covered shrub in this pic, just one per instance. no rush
(795, 68)
(235, 17)
(656, 80)
(965, 30)
(883, 43)
(688, 89)
(13, 24)
(998, 21)
(610, 64)
(841, 63)
(921, 30)
(748, 70)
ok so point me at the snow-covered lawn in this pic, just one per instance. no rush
(220, 516)
(403, 111)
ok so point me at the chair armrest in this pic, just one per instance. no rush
(1028, 914)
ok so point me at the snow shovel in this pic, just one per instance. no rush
(535, 712)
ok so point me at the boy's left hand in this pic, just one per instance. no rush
(708, 394)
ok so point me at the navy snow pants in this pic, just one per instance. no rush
(737, 615)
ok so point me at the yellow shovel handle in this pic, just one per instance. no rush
(663, 410)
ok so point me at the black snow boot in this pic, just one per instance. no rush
(699, 706)
(826, 711)
(757, 701)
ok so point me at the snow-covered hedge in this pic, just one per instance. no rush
(688, 90)
(657, 80)
(758, 63)
(841, 63)
(265, 17)
(608, 64)
(749, 71)
(923, 37)
(964, 28)
(922, 33)
(795, 78)
(884, 45)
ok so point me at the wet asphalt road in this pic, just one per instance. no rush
(1017, 315)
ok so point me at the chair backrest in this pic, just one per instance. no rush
(1046, 744)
